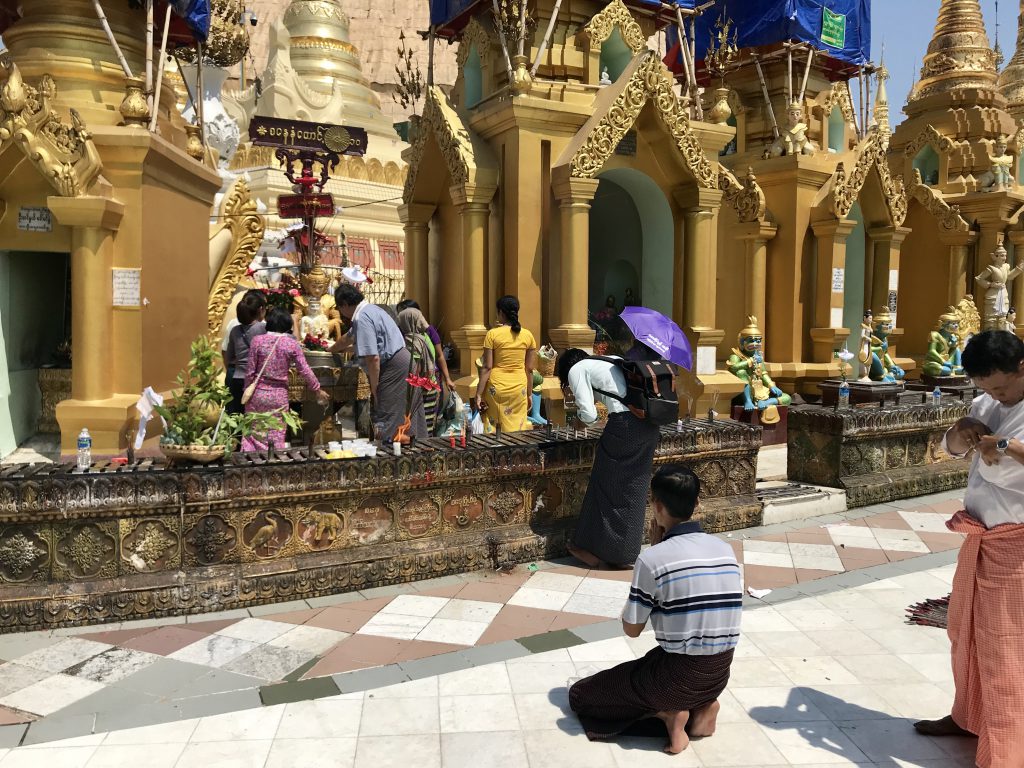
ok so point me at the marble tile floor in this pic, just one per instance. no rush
(80, 681)
(797, 696)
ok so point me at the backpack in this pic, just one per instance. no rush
(650, 389)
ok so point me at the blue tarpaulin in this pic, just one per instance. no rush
(196, 14)
(443, 12)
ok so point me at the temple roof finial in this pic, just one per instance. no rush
(959, 56)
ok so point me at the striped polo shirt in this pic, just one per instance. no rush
(690, 587)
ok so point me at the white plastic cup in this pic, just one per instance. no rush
(396, 448)
(371, 451)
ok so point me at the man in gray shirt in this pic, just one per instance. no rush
(382, 353)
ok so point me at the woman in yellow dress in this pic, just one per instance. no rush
(510, 355)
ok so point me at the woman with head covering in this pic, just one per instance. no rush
(413, 326)
(506, 376)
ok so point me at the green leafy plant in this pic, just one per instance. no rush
(196, 415)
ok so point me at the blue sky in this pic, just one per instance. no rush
(906, 26)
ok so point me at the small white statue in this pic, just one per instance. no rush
(999, 177)
(994, 280)
(793, 139)
(605, 78)
(314, 323)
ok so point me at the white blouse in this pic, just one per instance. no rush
(588, 375)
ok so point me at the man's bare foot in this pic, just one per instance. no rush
(675, 722)
(704, 720)
(945, 727)
(587, 558)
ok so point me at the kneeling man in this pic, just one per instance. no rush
(688, 583)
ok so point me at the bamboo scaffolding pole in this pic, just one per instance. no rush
(160, 71)
(767, 98)
(807, 73)
(698, 108)
(501, 39)
(150, 31)
(547, 37)
(431, 37)
(789, 75)
(110, 36)
(522, 26)
(684, 54)
(199, 88)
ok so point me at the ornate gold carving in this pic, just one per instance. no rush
(323, 44)
(54, 386)
(21, 555)
(969, 316)
(846, 190)
(929, 135)
(839, 96)
(64, 154)
(87, 551)
(316, 9)
(194, 142)
(239, 216)
(267, 534)
(475, 34)
(210, 540)
(321, 526)
(134, 107)
(613, 15)
(228, 41)
(452, 136)
(506, 505)
(649, 81)
(947, 215)
(150, 546)
(747, 197)
(959, 55)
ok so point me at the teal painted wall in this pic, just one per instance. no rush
(472, 78)
(836, 130)
(853, 295)
(615, 55)
(927, 162)
(32, 291)
(616, 245)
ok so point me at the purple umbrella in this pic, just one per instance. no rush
(654, 330)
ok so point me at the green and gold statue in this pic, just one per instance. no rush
(874, 354)
(747, 364)
(943, 356)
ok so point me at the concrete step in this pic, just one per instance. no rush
(784, 501)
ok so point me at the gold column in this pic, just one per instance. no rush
(885, 266)
(474, 206)
(960, 244)
(93, 221)
(829, 334)
(756, 236)
(416, 218)
(1017, 298)
(574, 197)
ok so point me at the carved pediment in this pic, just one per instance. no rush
(847, 188)
(948, 216)
(613, 15)
(746, 197)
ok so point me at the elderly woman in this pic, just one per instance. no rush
(413, 326)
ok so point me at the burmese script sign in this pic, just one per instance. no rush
(833, 28)
(305, 206)
(315, 137)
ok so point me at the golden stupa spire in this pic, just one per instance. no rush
(959, 56)
(1011, 81)
(881, 113)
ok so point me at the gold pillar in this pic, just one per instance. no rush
(474, 206)
(756, 236)
(1017, 297)
(93, 221)
(828, 333)
(416, 219)
(885, 269)
(960, 244)
(574, 197)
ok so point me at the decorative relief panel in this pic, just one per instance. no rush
(24, 554)
(419, 515)
(150, 544)
(506, 506)
(86, 550)
(462, 509)
(209, 540)
(267, 534)
(321, 527)
(371, 521)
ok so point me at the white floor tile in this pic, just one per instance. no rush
(546, 711)
(226, 754)
(469, 610)
(900, 541)
(419, 750)
(399, 717)
(595, 605)
(320, 718)
(492, 678)
(316, 640)
(416, 605)
(66, 653)
(556, 749)
(557, 582)
(781, 704)
(539, 678)
(816, 670)
(782, 644)
(756, 673)
(125, 755)
(113, 665)
(935, 667)
(51, 694)
(775, 547)
(163, 733)
(478, 714)
(394, 625)
(840, 642)
(424, 688)
(604, 588)
(214, 650)
(50, 757)
(771, 559)
(816, 620)
(453, 631)
(483, 750)
(882, 668)
(559, 655)
(614, 650)
(257, 631)
(89, 740)
(635, 752)
(321, 753)
(549, 599)
(14, 677)
(814, 742)
(812, 550)
(926, 521)
(918, 701)
(737, 744)
(246, 725)
(819, 563)
(849, 702)
(890, 738)
(765, 620)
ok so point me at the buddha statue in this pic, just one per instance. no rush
(605, 77)
(314, 323)
(999, 177)
(335, 327)
(875, 359)
(943, 355)
(793, 138)
(993, 280)
(747, 364)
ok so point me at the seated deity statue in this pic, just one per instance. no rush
(747, 364)
(999, 177)
(875, 359)
(943, 355)
(335, 329)
(314, 323)
(993, 280)
(793, 138)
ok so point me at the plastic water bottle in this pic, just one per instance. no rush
(844, 395)
(679, 426)
(936, 396)
(84, 450)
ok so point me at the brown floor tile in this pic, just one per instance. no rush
(517, 615)
(341, 619)
(894, 555)
(890, 520)
(803, 575)
(570, 620)
(855, 558)
(948, 507)
(817, 537)
(335, 662)
(421, 649)
(370, 648)
(940, 542)
(165, 640)
(737, 549)
(768, 577)
(861, 521)
(498, 633)
(770, 537)
(450, 590)
(373, 605)
(571, 570)
(621, 574)
(294, 617)
(209, 627)
(487, 592)
(13, 717)
(517, 578)
(117, 636)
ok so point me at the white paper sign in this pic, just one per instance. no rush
(127, 284)
(838, 280)
(35, 220)
(894, 279)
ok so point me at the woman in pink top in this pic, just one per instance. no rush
(271, 393)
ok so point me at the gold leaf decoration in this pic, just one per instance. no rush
(239, 214)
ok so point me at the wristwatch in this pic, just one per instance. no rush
(1002, 444)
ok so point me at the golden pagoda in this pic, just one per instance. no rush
(1011, 79)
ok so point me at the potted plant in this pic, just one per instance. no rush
(197, 426)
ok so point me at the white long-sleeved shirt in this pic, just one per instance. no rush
(588, 375)
(995, 494)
